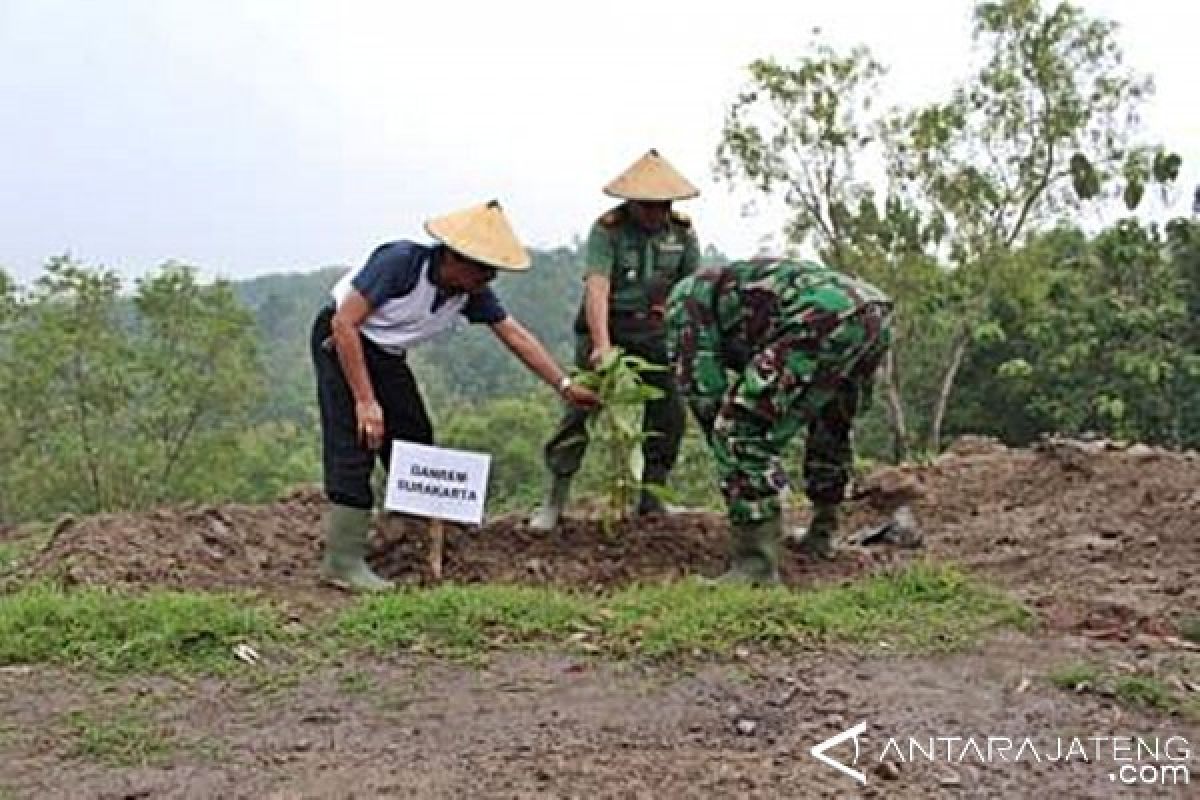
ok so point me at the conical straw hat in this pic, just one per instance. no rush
(651, 178)
(482, 233)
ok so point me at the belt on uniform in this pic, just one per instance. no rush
(647, 319)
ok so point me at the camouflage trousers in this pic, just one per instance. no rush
(818, 376)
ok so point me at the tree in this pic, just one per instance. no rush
(1184, 242)
(801, 134)
(10, 307)
(118, 404)
(1048, 122)
(67, 353)
(195, 370)
(1099, 343)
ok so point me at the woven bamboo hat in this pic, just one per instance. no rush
(651, 178)
(481, 233)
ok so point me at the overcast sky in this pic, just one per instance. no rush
(254, 136)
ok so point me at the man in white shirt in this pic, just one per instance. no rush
(405, 294)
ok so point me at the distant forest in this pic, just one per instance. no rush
(191, 392)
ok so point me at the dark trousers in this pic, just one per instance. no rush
(347, 463)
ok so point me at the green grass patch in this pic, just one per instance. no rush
(462, 621)
(1143, 691)
(125, 739)
(356, 682)
(112, 632)
(922, 608)
(1190, 629)
(1146, 692)
(1074, 676)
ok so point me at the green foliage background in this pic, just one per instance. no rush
(1013, 321)
(100, 385)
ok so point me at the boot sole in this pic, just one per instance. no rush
(346, 586)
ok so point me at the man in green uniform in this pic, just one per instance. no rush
(761, 348)
(635, 253)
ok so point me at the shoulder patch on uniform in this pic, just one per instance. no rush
(613, 217)
(681, 218)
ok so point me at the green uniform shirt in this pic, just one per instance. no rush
(641, 267)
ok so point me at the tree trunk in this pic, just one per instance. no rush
(89, 457)
(939, 413)
(895, 409)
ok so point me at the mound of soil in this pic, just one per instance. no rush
(207, 547)
(278, 546)
(1101, 538)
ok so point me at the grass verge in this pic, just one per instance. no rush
(116, 633)
(921, 608)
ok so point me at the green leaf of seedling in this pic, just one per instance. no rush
(637, 463)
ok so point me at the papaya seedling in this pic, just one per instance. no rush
(615, 430)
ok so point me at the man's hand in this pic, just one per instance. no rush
(599, 355)
(580, 396)
(370, 424)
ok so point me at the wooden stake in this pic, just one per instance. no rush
(437, 544)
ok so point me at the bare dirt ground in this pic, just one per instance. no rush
(1101, 542)
(558, 727)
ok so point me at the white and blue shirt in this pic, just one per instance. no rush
(407, 306)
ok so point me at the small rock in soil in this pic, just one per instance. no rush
(949, 778)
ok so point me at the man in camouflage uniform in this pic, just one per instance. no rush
(759, 349)
(635, 253)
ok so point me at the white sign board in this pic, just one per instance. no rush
(438, 483)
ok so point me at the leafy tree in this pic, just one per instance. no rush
(803, 134)
(117, 404)
(1048, 122)
(1099, 344)
(10, 307)
(67, 352)
(1184, 242)
(265, 460)
(195, 370)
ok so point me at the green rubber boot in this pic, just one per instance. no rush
(545, 519)
(345, 564)
(817, 541)
(754, 553)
